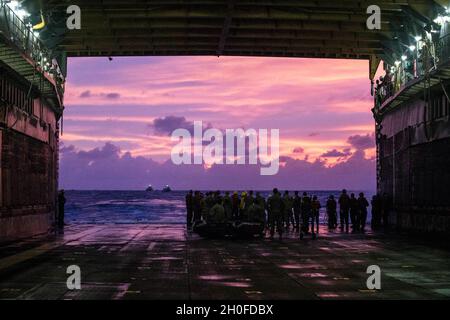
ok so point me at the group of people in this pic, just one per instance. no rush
(279, 212)
(351, 210)
(217, 208)
(384, 88)
(417, 61)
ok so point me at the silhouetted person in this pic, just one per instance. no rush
(255, 214)
(226, 201)
(209, 200)
(376, 212)
(61, 204)
(249, 199)
(287, 212)
(354, 212)
(243, 206)
(206, 204)
(235, 201)
(363, 204)
(189, 207)
(332, 212)
(344, 207)
(217, 197)
(315, 214)
(217, 213)
(197, 206)
(261, 202)
(275, 208)
(306, 214)
(297, 206)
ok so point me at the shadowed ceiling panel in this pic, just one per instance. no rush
(289, 28)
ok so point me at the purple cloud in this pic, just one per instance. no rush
(108, 168)
(362, 142)
(89, 94)
(112, 95)
(108, 151)
(336, 154)
(298, 150)
(86, 94)
(166, 125)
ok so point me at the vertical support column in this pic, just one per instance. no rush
(393, 170)
(378, 156)
(1, 171)
(374, 63)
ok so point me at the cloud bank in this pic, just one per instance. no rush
(108, 168)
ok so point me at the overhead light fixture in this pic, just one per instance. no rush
(17, 9)
(418, 38)
(22, 14)
(14, 5)
(412, 48)
(397, 63)
(440, 20)
(404, 58)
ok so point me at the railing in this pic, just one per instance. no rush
(23, 37)
(429, 60)
(443, 49)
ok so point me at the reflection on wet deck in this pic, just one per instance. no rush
(165, 262)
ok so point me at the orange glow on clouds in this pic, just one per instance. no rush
(316, 104)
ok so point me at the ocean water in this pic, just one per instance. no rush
(128, 207)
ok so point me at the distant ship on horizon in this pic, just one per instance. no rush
(149, 188)
(166, 188)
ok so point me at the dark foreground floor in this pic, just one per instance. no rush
(163, 262)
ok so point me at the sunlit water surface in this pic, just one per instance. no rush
(105, 207)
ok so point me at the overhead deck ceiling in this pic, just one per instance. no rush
(286, 28)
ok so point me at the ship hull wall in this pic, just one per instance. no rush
(28, 162)
(414, 159)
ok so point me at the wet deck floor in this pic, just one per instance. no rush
(163, 262)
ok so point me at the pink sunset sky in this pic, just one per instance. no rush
(120, 113)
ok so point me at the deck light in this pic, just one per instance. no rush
(442, 19)
(17, 9)
(22, 14)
